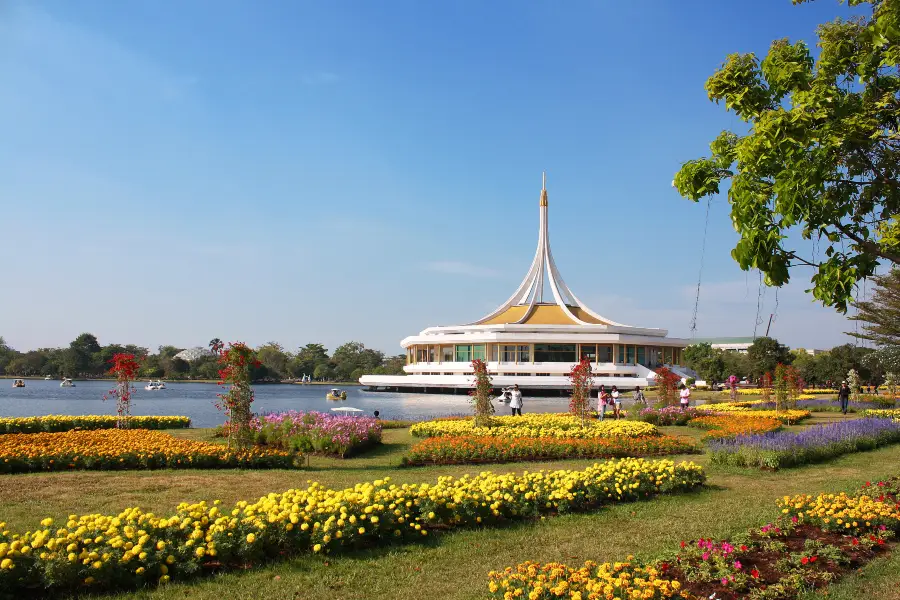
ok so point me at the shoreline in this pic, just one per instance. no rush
(213, 381)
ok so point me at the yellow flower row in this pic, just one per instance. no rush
(882, 413)
(536, 426)
(842, 512)
(759, 391)
(125, 449)
(608, 580)
(135, 548)
(785, 416)
(68, 422)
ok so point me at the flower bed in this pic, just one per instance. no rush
(535, 426)
(788, 449)
(789, 417)
(728, 426)
(309, 432)
(116, 449)
(882, 413)
(815, 541)
(668, 416)
(51, 423)
(472, 449)
(554, 580)
(135, 549)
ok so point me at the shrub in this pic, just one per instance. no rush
(50, 423)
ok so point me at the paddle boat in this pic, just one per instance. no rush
(155, 385)
(47, 378)
(505, 396)
(19, 383)
(66, 382)
(336, 394)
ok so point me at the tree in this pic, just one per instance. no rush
(822, 154)
(274, 358)
(666, 386)
(352, 356)
(481, 395)
(880, 316)
(84, 356)
(706, 360)
(124, 368)
(308, 359)
(215, 345)
(581, 378)
(235, 363)
(764, 354)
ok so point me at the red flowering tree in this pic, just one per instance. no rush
(582, 379)
(780, 386)
(667, 386)
(125, 369)
(765, 387)
(235, 363)
(795, 385)
(481, 395)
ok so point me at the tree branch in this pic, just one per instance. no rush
(869, 245)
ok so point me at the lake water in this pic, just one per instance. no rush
(197, 401)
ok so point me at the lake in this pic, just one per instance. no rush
(197, 401)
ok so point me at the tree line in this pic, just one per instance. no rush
(86, 358)
(829, 367)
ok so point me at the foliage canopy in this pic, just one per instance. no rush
(822, 153)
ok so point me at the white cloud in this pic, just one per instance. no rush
(453, 267)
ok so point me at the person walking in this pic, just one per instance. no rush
(515, 403)
(602, 399)
(638, 397)
(844, 396)
(685, 396)
(616, 401)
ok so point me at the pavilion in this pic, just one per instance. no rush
(533, 340)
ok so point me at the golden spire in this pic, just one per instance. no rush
(544, 189)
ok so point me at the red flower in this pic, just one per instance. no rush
(754, 573)
(743, 548)
(813, 558)
(804, 560)
(682, 544)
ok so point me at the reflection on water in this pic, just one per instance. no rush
(197, 401)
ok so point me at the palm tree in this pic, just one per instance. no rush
(215, 345)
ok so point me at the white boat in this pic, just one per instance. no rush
(47, 378)
(66, 382)
(19, 383)
(155, 385)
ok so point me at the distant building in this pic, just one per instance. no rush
(741, 344)
(192, 354)
(737, 344)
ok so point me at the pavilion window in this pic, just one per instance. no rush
(604, 354)
(561, 353)
(478, 352)
(525, 353)
(446, 353)
(495, 352)
(589, 351)
(464, 353)
(629, 355)
(507, 353)
(642, 355)
(424, 353)
(620, 354)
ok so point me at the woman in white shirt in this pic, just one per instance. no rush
(685, 396)
(616, 400)
(516, 402)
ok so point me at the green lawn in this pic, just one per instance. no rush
(452, 565)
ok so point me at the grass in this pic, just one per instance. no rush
(452, 565)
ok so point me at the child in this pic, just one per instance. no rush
(602, 398)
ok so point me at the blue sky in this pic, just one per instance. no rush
(325, 171)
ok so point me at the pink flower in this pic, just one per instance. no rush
(737, 565)
(724, 581)
(705, 556)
